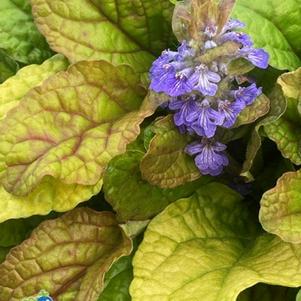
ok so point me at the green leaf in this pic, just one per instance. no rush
(50, 195)
(275, 26)
(207, 247)
(67, 257)
(287, 137)
(72, 126)
(118, 280)
(286, 131)
(19, 36)
(121, 32)
(27, 78)
(3, 253)
(278, 106)
(239, 67)
(257, 109)
(280, 209)
(12, 232)
(298, 298)
(132, 197)
(8, 67)
(263, 292)
(166, 164)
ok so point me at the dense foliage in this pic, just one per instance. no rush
(150, 150)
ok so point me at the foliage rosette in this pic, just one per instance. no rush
(150, 150)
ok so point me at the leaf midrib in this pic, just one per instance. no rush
(132, 39)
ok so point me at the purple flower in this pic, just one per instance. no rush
(238, 37)
(184, 51)
(233, 24)
(204, 80)
(258, 57)
(188, 111)
(210, 156)
(207, 121)
(248, 94)
(230, 111)
(170, 74)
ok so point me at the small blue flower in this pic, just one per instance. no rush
(170, 73)
(210, 156)
(187, 113)
(233, 24)
(207, 121)
(44, 298)
(238, 37)
(230, 111)
(247, 94)
(258, 57)
(204, 80)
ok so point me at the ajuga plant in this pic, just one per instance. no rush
(150, 150)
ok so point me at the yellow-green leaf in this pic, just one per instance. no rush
(27, 78)
(207, 247)
(280, 211)
(72, 126)
(286, 131)
(50, 195)
(67, 256)
(273, 25)
(121, 32)
(166, 164)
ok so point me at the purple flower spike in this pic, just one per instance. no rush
(258, 57)
(247, 95)
(208, 120)
(230, 111)
(204, 80)
(210, 158)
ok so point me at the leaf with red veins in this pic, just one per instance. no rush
(68, 257)
(72, 126)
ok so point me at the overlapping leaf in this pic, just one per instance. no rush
(19, 36)
(27, 78)
(131, 32)
(14, 231)
(251, 113)
(67, 256)
(72, 126)
(134, 198)
(286, 131)
(8, 66)
(118, 279)
(166, 164)
(275, 26)
(280, 210)
(207, 247)
(50, 195)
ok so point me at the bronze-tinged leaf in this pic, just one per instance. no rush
(72, 125)
(68, 257)
(166, 164)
